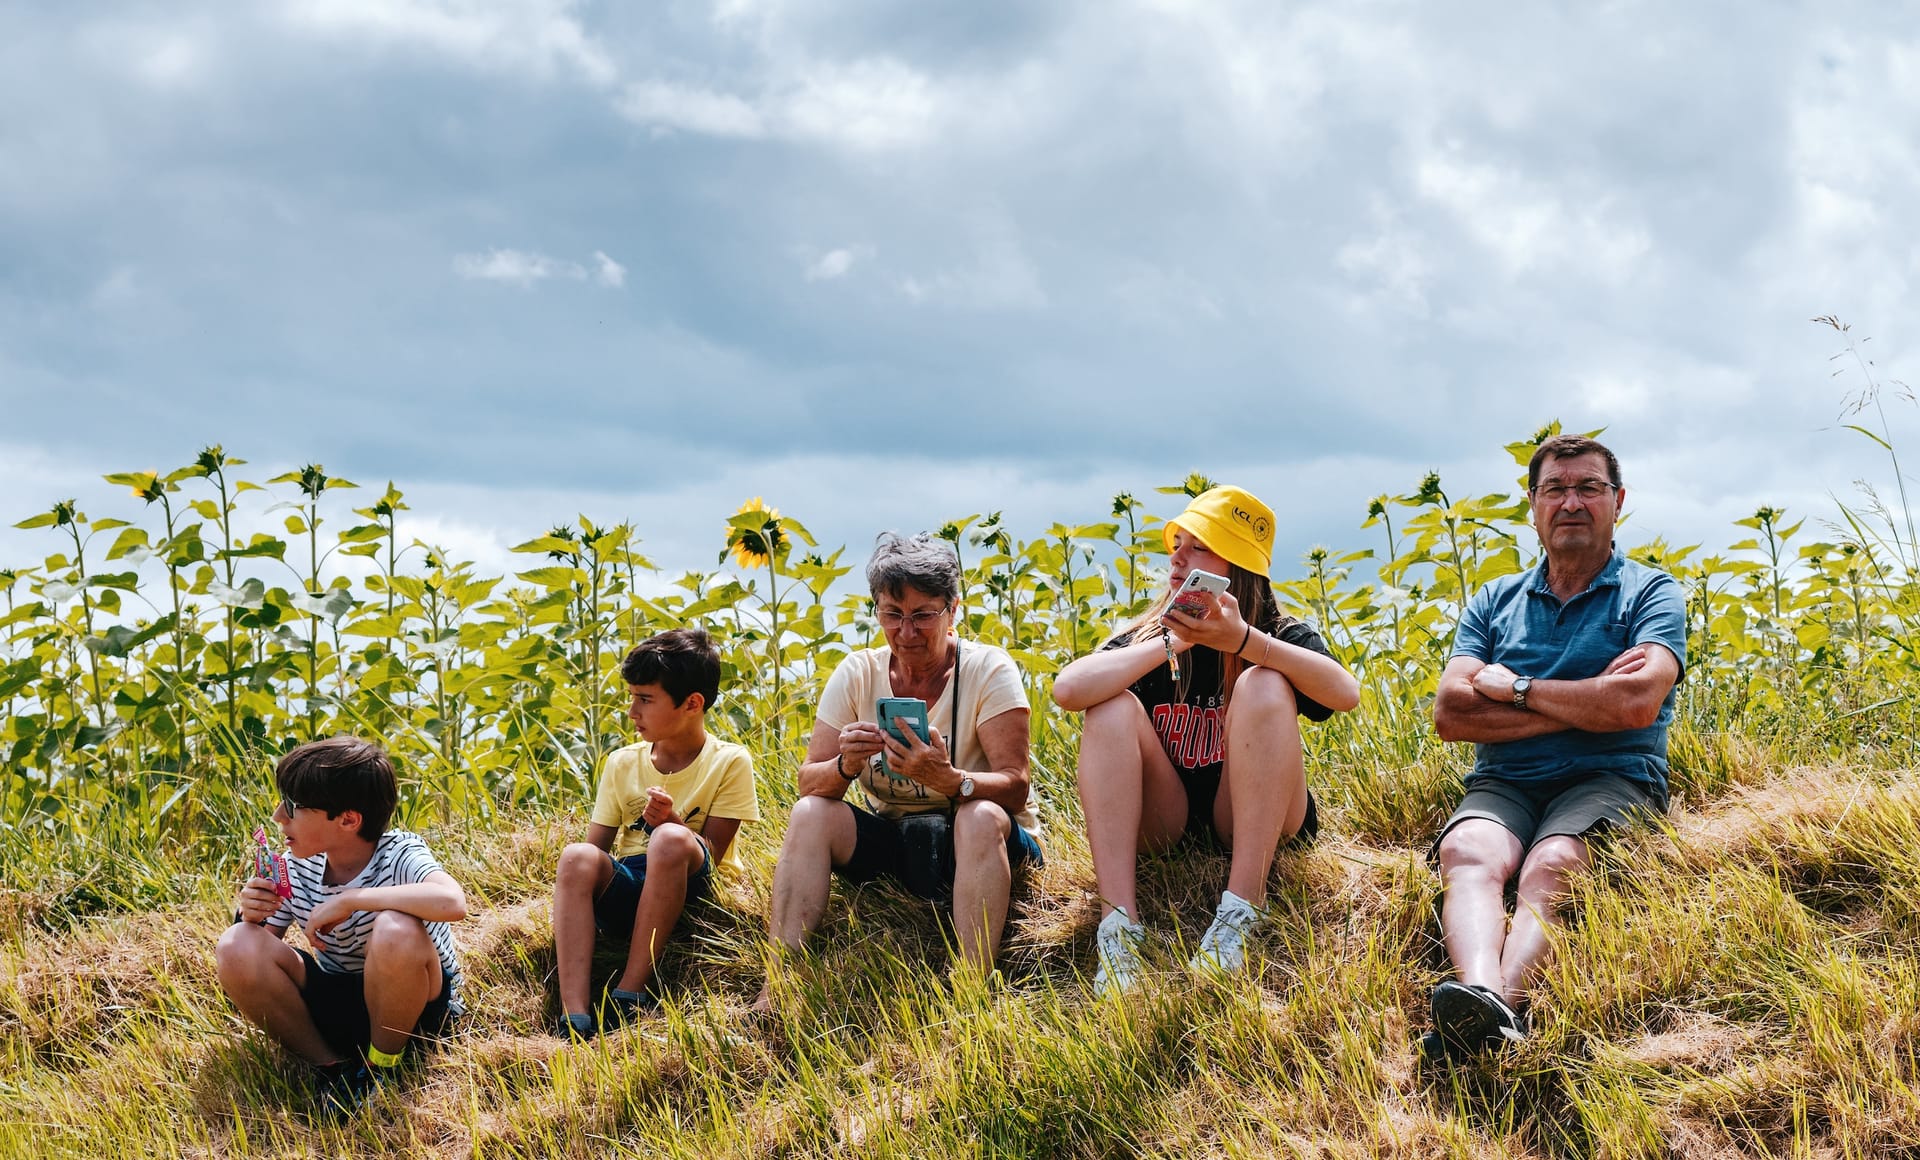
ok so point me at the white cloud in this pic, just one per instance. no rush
(1001, 277)
(1166, 297)
(608, 272)
(533, 37)
(121, 285)
(1526, 224)
(1614, 395)
(168, 54)
(835, 263)
(525, 267)
(515, 266)
(666, 106)
(172, 62)
(1391, 269)
(869, 104)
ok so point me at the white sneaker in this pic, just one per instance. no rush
(1118, 943)
(1223, 949)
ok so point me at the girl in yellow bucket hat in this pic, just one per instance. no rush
(1192, 729)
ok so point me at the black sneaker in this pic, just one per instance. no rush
(575, 1026)
(1470, 1019)
(1433, 1050)
(620, 1008)
(344, 1088)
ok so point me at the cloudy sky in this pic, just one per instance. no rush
(890, 263)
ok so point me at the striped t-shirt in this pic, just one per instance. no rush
(399, 858)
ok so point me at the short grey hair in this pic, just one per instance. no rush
(924, 562)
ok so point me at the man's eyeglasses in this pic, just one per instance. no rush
(1585, 489)
(922, 620)
(292, 807)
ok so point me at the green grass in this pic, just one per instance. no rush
(1744, 982)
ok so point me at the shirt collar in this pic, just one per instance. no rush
(1609, 576)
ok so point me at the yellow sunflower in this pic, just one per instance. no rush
(754, 534)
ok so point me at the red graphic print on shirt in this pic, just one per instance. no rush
(1192, 735)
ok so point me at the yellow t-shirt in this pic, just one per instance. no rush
(989, 686)
(719, 783)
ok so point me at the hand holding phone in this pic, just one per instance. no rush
(896, 715)
(1190, 600)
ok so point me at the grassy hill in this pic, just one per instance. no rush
(1743, 983)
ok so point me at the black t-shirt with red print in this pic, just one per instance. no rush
(1190, 715)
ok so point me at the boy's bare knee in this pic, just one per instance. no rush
(673, 844)
(396, 931)
(242, 946)
(580, 860)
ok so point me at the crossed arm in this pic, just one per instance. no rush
(1475, 699)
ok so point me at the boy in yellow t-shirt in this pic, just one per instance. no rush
(667, 811)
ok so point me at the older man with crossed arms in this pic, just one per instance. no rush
(1563, 676)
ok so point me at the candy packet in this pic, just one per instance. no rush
(270, 864)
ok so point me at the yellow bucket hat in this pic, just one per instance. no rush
(1232, 524)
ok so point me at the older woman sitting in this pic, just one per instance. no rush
(971, 768)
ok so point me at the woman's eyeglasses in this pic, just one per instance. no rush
(923, 620)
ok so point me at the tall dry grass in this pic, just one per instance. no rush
(1744, 981)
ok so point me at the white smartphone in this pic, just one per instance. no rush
(1188, 601)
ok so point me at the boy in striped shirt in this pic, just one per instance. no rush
(374, 904)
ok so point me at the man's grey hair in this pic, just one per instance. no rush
(924, 562)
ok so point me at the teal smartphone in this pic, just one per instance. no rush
(896, 714)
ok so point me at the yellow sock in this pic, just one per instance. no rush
(379, 1058)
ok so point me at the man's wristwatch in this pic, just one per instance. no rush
(1520, 687)
(966, 787)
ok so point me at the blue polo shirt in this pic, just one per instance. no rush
(1518, 622)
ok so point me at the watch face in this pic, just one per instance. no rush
(966, 787)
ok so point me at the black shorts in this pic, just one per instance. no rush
(1586, 806)
(614, 910)
(878, 849)
(337, 1002)
(1203, 786)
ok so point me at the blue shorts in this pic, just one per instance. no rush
(613, 911)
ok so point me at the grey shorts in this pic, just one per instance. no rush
(1576, 807)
